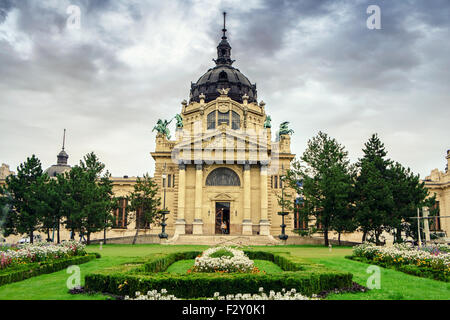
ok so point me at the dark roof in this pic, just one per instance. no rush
(223, 76)
(57, 169)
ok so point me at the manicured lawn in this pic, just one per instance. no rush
(394, 284)
(182, 266)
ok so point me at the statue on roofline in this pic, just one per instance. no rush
(267, 122)
(179, 121)
(284, 129)
(161, 127)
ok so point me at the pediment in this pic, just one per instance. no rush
(222, 197)
(224, 138)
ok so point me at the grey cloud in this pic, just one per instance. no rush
(344, 79)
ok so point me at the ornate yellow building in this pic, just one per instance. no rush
(222, 169)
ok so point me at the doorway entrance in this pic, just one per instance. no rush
(222, 218)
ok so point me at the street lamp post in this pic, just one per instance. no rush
(164, 211)
(283, 235)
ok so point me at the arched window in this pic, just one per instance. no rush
(223, 177)
(223, 75)
(211, 120)
(235, 121)
(224, 117)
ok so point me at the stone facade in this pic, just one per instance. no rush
(438, 182)
(222, 168)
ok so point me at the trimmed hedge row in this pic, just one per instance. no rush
(205, 285)
(161, 264)
(23, 272)
(419, 271)
(305, 278)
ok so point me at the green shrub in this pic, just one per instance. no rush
(205, 285)
(126, 279)
(419, 271)
(221, 253)
(23, 272)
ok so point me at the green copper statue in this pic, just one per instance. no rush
(179, 121)
(267, 122)
(161, 127)
(284, 129)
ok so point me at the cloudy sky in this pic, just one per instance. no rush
(315, 64)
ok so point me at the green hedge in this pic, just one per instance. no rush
(126, 280)
(23, 272)
(205, 285)
(422, 271)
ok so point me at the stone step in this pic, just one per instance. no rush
(223, 240)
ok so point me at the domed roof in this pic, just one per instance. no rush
(61, 163)
(57, 169)
(223, 76)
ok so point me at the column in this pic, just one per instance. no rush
(247, 222)
(197, 227)
(264, 225)
(180, 224)
(426, 225)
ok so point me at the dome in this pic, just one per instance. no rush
(61, 163)
(57, 169)
(223, 76)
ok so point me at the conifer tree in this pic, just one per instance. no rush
(373, 195)
(326, 174)
(144, 202)
(27, 199)
(89, 197)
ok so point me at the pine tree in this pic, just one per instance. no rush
(373, 195)
(89, 197)
(408, 194)
(144, 202)
(27, 199)
(327, 181)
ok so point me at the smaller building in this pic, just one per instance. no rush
(438, 183)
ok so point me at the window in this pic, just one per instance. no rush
(435, 223)
(224, 117)
(276, 182)
(211, 120)
(236, 121)
(319, 224)
(300, 221)
(223, 75)
(141, 221)
(223, 177)
(120, 214)
(169, 181)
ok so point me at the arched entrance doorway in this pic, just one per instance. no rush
(222, 218)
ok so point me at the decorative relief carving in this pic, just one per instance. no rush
(224, 107)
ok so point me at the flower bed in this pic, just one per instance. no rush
(228, 260)
(22, 272)
(429, 261)
(261, 295)
(30, 253)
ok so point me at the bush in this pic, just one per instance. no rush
(23, 272)
(221, 253)
(128, 279)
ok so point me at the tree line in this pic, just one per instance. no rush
(374, 195)
(80, 200)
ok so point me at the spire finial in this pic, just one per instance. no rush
(224, 28)
(64, 139)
